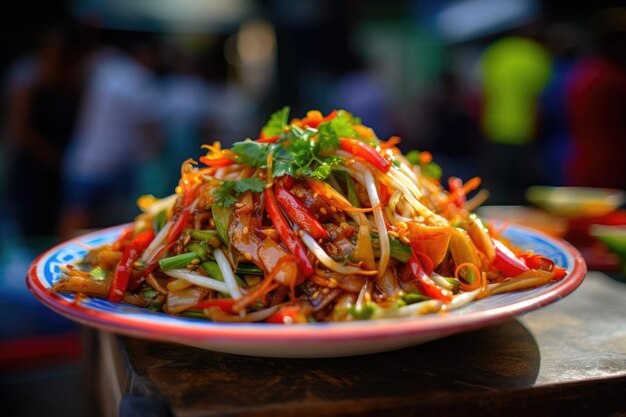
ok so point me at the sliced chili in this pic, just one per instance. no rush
(299, 213)
(124, 268)
(287, 235)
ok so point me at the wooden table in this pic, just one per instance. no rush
(568, 358)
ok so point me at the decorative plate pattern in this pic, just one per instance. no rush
(310, 340)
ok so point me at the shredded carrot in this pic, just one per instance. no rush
(390, 143)
(425, 157)
(477, 282)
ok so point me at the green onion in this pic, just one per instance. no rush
(249, 269)
(353, 198)
(148, 292)
(194, 314)
(366, 311)
(209, 236)
(221, 218)
(214, 272)
(159, 220)
(332, 181)
(414, 297)
(98, 274)
(178, 261)
(456, 284)
(399, 250)
(351, 190)
(212, 269)
(201, 249)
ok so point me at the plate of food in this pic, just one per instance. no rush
(572, 202)
(317, 239)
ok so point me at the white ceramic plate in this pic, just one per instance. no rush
(306, 340)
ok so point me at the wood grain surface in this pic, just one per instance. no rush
(566, 359)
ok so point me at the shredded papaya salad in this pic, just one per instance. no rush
(316, 220)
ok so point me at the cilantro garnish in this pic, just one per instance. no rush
(300, 152)
(253, 154)
(227, 193)
(276, 123)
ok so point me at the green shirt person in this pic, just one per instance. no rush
(515, 70)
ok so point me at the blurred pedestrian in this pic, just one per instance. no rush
(515, 70)
(43, 97)
(597, 109)
(116, 131)
(555, 141)
(451, 130)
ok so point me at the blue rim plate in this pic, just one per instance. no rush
(310, 340)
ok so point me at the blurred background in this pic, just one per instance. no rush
(102, 100)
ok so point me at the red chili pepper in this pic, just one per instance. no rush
(265, 139)
(330, 116)
(426, 262)
(225, 304)
(559, 273)
(138, 279)
(125, 235)
(125, 267)
(545, 264)
(455, 186)
(429, 286)
(178, 226)
(288, 181)
(385, 194)
(506, 261)
(216, 162)
(287, 235)
(365, 151)
(299, 213)
(537, 262)
(286, 315)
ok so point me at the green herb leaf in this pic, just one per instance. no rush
(249, 184)
(98, 274)
(228, 191)
(342, 127)
(251, 153)
(432, 170)
(328, 140)
(159, 220)
(413, 157)
(276, 123)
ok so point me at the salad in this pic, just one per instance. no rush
(316, 220)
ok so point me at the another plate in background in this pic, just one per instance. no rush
(526, 216)
(573, 202)
(614, 237)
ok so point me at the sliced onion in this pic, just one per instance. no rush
(383, 237)
(227, 273)
(165, 203)
(408, 172)
(156, 244)
(441, 281)
(329, 262)
(198, 279)
(460, 300)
